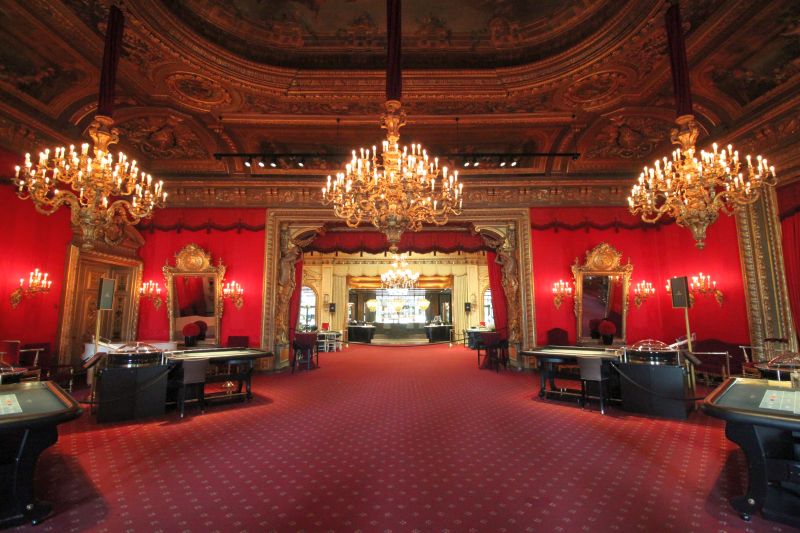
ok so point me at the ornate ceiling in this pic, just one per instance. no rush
(199, 77)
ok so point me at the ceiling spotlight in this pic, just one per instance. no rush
(514, 162)
(301, 163)
(476, 163)
(273, 163)
(248, 162)
(503, 163)
(261, 162)
(466, 162)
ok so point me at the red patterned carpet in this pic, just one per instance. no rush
(395, 439)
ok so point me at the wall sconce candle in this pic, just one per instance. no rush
(235, 292)
(152, 291)
(702, 285)
(561, 289)
(642, 291)
(37, 284)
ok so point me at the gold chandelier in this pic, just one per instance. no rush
(103, 194)
(399, 276)
(694, 190)
(397, 191)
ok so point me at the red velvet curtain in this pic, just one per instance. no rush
(790, 227)
(498, 295)
(294, 302)
(375, 243)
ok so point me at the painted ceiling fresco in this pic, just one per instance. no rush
(305, 78)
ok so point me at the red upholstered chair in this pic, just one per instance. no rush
(490, 341)
(557, 337)
(305, 347)
(325, 326)
(11, 354)
(238, 341)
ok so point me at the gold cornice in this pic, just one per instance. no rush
(276, 195)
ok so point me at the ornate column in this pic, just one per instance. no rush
(503, 240)
(761, 252)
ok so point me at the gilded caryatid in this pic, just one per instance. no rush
(290, 254)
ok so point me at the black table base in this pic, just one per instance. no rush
(773, 472)
(19, 453)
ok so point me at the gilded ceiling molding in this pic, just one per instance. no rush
(552, 194)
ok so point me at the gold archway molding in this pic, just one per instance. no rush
(424, 282)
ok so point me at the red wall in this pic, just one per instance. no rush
(657, 253)
(241, 252)
(31, 240)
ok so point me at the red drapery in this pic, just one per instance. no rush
(499, 304)
(790, 227)
(294, 302)
(375, 243)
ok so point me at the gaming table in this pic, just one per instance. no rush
(29, 414)
(763, 418)
(550, 357)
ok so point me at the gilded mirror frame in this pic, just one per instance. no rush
(602, 260)
(194, 261)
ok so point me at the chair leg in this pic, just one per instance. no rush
(583, 393)
(201, 397)
(182, 398)
(294, 361)
(602, 385)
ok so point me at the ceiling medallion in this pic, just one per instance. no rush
(196, 91)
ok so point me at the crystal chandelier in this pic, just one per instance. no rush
(103, 194)
(694, 190)
(399, 189)
(396, 191)
(399, 276)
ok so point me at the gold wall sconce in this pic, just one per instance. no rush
(703, 286)
(561, 290)
(152, 291)
(37, 284)
(235, 292)
(642, 291)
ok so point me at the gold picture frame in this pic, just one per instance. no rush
(602, 272)
(193, 261)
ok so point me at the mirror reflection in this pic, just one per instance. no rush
(601, 299)
(194, 293)
(194, 301)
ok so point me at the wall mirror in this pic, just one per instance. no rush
(601, 292)
(194, 293)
